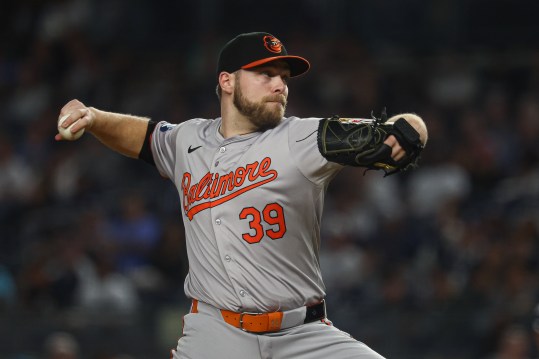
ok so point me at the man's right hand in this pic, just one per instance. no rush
(81, 116)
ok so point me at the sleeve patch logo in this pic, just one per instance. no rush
(166, 127)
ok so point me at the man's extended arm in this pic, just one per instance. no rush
(390, 145)
(124, 134)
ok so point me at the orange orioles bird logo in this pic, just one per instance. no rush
(272, 44)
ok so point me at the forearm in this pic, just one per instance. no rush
(124, 134)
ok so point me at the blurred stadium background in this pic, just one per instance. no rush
(437, 263)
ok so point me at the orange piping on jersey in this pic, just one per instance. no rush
(211, 185)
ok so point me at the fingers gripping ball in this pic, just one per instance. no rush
(66, 132)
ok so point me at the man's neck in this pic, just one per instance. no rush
(234, 124)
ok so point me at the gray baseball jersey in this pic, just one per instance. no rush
(252, 208)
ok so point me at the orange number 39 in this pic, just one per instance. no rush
(272, 214)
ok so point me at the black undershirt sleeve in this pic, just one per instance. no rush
(146, 151)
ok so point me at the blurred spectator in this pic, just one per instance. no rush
(535, 330)
(30, 97)
(514, 343)
(49, 280)
(169, 256)
(60, 345)
(102, 292)
(17, 178)
(433, 187)
(134, 232)
(8, 293)
(341, 264)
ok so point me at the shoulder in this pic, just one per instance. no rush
(192, 124)
(295, 123)
(299, 120)
(200, 122)
(299, 125)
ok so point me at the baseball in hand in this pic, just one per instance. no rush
(66, 132)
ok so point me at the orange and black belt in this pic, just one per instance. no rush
(269, 322)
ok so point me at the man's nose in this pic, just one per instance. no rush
(279, 84)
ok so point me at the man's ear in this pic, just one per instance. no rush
(227, 82)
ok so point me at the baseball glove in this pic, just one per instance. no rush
(360, 142)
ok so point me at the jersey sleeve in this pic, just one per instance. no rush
(303, 137)
(163, 141)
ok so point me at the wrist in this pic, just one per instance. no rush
(93, 117)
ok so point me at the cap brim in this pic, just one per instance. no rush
(298, 65)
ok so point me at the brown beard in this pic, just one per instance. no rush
(259, 113)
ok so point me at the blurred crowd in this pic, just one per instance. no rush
(440, 262)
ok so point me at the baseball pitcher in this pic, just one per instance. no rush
(252, 185)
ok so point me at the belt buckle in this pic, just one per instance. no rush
(241, 319)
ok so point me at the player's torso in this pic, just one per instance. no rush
(251, 218)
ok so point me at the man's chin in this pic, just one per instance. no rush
(277, 108)
(268, 123)
(277, 105)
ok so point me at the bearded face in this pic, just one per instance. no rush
(264, 114)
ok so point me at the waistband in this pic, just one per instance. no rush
(265, 322)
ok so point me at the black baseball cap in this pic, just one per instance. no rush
(253, 49)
